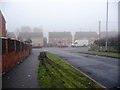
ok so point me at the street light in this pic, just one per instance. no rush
(99, 33)
(106, 44)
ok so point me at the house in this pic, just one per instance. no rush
(11, 35)
(60, 38)
(36, 37)
(90, 36)
(109, 34)
(2, 25)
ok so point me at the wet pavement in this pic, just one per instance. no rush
(23, 75)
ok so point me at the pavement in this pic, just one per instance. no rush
(102, 69)
(23, 75)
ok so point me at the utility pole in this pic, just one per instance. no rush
(106, 44)
(99, 33)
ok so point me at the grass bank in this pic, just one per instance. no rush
(107, 54)
(55, 73)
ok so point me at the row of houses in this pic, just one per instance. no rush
(61, 38)
(54, 38)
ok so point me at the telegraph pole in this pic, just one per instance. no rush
(99, 33)
(106, 44)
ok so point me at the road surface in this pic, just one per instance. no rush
(102, 69)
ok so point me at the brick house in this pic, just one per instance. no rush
(36, 37)
(56, 38)
(90, 36)
(2, 25)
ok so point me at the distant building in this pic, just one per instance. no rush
(45, 41)
(2, 25)
(11, 35)
(26, 29)
(36, 37)
(109, 34)
(36, 29)
(90, 36)
(63, 38)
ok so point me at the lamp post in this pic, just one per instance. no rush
(106, 44)
(99, 33)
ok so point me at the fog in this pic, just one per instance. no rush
(59, 15)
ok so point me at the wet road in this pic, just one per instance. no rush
(23, 75)
(102, 69)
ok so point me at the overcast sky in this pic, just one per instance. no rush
(59, 15)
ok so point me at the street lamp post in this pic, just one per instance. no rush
(106, 44)
(99, 33)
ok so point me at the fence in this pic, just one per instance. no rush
(13, 52)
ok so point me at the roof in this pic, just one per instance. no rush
(59, 34)
(11, 35)
(31, 35)
(2, 16)
(86, 35)
(109, 34)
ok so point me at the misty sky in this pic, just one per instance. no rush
(59, 15)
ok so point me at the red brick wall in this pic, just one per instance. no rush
(2, 25)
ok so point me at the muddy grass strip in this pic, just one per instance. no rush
(54, 73)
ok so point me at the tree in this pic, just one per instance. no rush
(112, 43)
(29, 41)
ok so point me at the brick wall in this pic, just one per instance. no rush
(2, 26)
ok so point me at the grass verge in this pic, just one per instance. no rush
(107, 54)
(54, 73)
